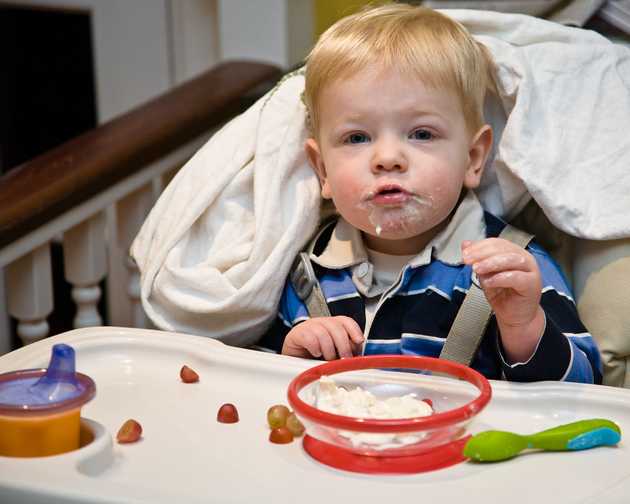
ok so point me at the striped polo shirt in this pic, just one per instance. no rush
(414, 315)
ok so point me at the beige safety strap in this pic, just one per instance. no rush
(472, 318)
(307, 286)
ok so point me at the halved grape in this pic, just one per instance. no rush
(277, 416)
(281, 435)
(294, 425)
(188, 375)
(130, 432)
(227, 413)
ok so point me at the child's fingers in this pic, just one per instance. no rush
(339, 335)
(502, 262)
(310, 342)
(519, 281)
(342, 342)
(301, 342)
(483, 249)
(329, 351)
(357, 348)
(324, 341)
(354, 333)
(327, 337)
(352, 328)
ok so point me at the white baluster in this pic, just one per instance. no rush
(84, 256)
(30, 293)
(130, 214)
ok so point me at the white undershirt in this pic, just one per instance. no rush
(386, 269)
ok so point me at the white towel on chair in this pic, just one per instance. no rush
(216, 248)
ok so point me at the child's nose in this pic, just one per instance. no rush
(388, 156)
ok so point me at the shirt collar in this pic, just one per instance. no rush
(467, 223)
(345, 247)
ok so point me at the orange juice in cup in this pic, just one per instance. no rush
(40, 409)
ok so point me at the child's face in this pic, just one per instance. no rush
(394, 155)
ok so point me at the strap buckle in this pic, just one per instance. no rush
(303, 276)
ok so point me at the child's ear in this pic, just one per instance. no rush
(478, 154)
(314, 156)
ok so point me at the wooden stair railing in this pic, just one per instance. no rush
(68, 189)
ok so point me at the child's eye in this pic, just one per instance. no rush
(421, 134)
(356, 138)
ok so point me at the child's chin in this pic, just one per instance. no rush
(398, 230)
(399, 223)
(393, 234)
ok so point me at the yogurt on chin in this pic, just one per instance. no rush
(361, 403)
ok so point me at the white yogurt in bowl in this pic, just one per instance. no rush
(360, 403)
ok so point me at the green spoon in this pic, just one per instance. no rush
(492, 446)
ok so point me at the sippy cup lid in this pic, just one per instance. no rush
(46, 391)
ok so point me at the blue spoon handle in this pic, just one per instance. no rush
(577, 435)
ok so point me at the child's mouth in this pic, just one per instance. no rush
(393, 209)
(390, 195)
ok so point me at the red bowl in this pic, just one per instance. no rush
(457, 394)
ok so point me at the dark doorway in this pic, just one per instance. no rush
(47, 96)
(47, 91)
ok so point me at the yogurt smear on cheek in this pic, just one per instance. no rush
(363, 404)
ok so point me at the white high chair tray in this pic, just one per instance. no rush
(185, 455)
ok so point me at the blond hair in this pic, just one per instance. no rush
(415, 41)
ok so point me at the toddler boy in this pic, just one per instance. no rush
(395, 101)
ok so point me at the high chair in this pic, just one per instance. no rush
(216, 249)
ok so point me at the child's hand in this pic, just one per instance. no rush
(324, 336)
(510, 279)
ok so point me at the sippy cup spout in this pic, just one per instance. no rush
(60, 379)
(61, 366)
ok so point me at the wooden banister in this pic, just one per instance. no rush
(45, 187)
